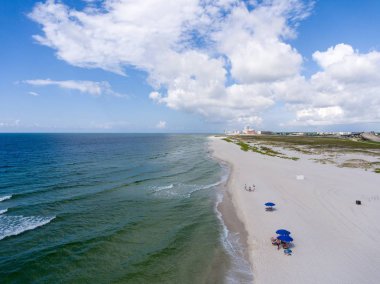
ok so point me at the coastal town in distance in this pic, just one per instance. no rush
(358, 135)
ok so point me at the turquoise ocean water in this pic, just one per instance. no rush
(110, 208)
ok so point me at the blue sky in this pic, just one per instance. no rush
(255, 66)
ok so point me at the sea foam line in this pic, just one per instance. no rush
(240, 270)
(223, 180)
(200, 187)
(14, 225)
(159, 188)
(2, 198)
(2, 211)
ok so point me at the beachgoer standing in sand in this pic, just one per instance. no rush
(278, 243)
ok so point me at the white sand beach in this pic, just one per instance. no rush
(335, 240)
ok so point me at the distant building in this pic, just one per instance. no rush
(233, 132)
(249, 131)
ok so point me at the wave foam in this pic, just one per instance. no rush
(184, 190)
(159, 188)
(14, 225)
(240, 270)
(2, 211)
(2, 198)
(181, 189)
(200, 187)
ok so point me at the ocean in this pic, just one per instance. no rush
(112, 208)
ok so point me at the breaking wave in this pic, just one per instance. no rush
(14, 225)
(2, 198)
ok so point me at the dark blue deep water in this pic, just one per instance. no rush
(108, 208)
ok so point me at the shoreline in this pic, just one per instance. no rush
(235, 236)
(335, 240)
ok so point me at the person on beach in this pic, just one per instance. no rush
(249, 188)
(245, 186)
(278, 243)
(253, 187)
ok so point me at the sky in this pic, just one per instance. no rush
(189, 65)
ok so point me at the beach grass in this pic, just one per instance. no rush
(356, 163)
(315, 142)
(227, 140)
(331, 148)
(263, 150)
(244, 146)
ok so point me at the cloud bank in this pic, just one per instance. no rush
(87, 87)
(9, 123)
(227, 60)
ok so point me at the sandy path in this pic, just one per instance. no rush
(336, 241)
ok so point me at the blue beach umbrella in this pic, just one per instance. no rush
(285, 238)
(270, 204)
(283, 232)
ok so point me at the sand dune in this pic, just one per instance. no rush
(336, 241)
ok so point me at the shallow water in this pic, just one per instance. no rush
(109, 208)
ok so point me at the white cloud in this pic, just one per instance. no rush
(218, 58)
(156, 96)
(113, 125)
(321, 114)
(348, 81)
(87, 87)
(10, 123)
(124, 33)
(253, 42)
(161, 124)
(34, 94)
(333, 55)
